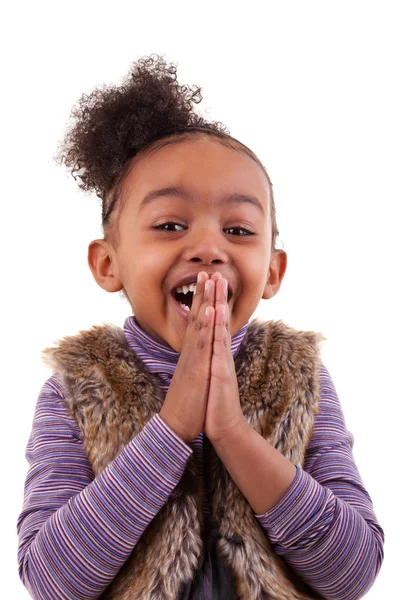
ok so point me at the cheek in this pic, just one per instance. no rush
(254, 275)
(149, 268)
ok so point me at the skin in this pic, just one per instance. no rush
(147, 262)
(203, 392)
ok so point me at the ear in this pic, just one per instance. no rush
(101, 261)
(277, 270)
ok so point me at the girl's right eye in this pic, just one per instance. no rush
(161, 227)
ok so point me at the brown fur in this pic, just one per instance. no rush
(112, 396)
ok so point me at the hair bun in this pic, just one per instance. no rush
(111, 124)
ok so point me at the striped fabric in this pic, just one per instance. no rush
(159, 358)
(76, 531)
(162, 360)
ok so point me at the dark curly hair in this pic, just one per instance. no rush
(113, 124)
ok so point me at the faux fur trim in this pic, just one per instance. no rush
(112, 395)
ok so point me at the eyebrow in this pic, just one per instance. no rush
(186, 195)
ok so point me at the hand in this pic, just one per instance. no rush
(224, 413)
(185, 403)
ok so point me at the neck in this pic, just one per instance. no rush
(160, 358)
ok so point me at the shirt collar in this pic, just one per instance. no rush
(161, 358)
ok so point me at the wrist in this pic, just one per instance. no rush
(175, 428)
(235, 433)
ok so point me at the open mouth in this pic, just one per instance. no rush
(184, 296)
(184, 299)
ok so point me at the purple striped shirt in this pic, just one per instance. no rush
(76, 531)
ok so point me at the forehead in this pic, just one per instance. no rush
(206, 169)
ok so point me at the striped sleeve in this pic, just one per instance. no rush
(75, 530)
(324, 526)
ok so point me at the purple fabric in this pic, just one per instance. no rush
(76, 531)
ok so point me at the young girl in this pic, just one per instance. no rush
(195, 453)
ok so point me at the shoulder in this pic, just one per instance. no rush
(51, 395)
(96, 344)
(51, 411)
(283, 337)
(293, 354)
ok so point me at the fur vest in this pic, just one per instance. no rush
(112, 395)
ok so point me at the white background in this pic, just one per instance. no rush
(313, 89)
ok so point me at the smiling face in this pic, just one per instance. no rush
(164, 237)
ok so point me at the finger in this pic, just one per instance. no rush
(209, 301)
(204, 325)
(216, 276)
(219, 291)
(227, 315)
(209, 295)
(202, 321)
(222, 292)
(210, 316)
(227, 312)
(222, 319)
(221, 342)
(198, 296)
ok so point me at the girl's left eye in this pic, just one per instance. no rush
(247, 232)
(161, 227)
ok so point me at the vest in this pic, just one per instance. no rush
(112, 395)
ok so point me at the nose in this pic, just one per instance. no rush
(205, 246)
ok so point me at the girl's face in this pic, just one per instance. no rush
(190, 228)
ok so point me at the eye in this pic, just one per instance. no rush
(162, 227)
(247, 232)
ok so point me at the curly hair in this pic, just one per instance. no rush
(147, 111)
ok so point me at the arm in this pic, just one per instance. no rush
(66, 510)
(323, 523)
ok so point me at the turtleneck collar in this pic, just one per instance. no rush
(160, 358)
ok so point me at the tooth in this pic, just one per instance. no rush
(184, 289)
